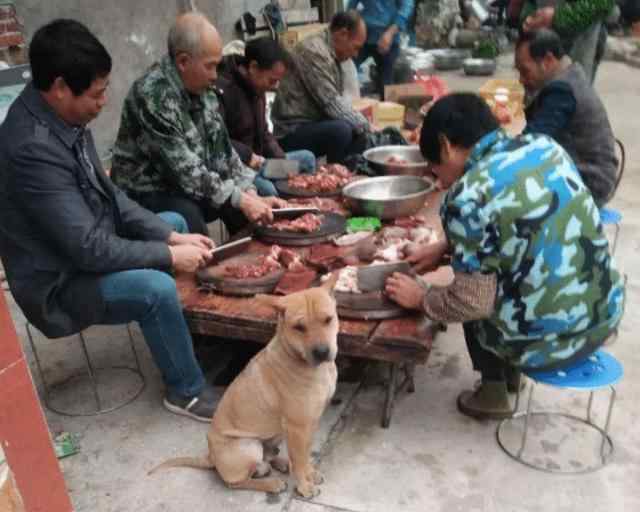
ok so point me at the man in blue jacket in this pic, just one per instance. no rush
(76, 250)
(385, 20)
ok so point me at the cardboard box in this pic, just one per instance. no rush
(413, 97)
(388, 113)
(365, 106)
(294, 35)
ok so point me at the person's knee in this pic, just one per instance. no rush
(305, 158)
(160, 287)
(176, 220)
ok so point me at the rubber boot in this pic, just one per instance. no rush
(514, 379)
(490, 401)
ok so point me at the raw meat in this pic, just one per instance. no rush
(351, 238)
(307, 223)
(324, 204)
(413, 221)
(277, 258)
(292, 282)
(347, 281)
(396, 160)
(327, 179)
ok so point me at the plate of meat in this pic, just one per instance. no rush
(326, 182)
(308, 229)
(248, 274)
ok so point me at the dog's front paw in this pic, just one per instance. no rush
(277, 486)
(317, 477)
(307, 490)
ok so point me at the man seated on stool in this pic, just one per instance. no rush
(309, 111)
(242, 87)
(565, 106)
(535, 286)
(76, 250)
(173, 151)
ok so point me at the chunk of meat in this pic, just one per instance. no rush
(396, 160)
(347, 281)
(307, 223)
(412, 221)
(276, 259)
(292, 282)
(327, 179)
(324, 204)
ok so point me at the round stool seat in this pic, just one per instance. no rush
(595, 372)
(610, 216)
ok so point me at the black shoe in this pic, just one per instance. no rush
(200, 408)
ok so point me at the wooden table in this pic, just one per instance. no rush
(401, 343)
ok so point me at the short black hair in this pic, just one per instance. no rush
(350, 20)
(541, 42)
(66, 48)
(266, 52)
(463, 118)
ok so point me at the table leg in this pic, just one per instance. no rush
(391, 394)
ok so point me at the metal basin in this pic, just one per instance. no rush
(387, 197)
(449, 59)
(416, 164)
(479, 67)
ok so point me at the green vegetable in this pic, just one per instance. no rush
(572, 18)
(486, 49)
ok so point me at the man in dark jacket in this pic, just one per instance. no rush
(76, 250)
(242, 86)
(566, 107)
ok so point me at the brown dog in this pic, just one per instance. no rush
(282, 392)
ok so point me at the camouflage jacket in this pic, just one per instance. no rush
(173, 142)
(313, 89)
(522, 212)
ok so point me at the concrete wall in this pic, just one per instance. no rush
(134, 32)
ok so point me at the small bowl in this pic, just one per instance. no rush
(378, 158)
(479, 67)
(387, 197)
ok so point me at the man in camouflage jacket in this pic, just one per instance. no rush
(173, 151)
(309, 111)
(535, 286)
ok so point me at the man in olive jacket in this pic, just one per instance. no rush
(76, 250)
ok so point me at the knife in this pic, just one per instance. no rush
(293, 213)
(372, 278)
(222, 252)
(280, 168)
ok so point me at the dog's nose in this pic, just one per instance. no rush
(320, 353)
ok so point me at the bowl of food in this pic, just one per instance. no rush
(387, 197)
(479, 67)
(397, 160)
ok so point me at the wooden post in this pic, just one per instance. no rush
(24, 433)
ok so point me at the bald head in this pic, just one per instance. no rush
(190, 33)
(196, 50)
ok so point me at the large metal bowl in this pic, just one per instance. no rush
(387, 197)
(416, 164)
(449, 59)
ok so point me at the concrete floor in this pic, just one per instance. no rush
(432, 457)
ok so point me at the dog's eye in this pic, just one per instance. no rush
(328, 320)
(300, 327)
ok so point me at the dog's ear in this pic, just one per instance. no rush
(330, 283)
(272, 301)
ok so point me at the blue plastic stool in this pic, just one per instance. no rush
(612, 217)
(599, 371)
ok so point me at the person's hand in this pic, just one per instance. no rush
(405, 291)
(427, 257)
(542, 18)
(188, 258)
(256, 161)
(275, 202)
(255, 208)
(385, 41)
(195, 239)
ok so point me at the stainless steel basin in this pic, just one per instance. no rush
(378, 159)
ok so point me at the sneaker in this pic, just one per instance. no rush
(200, 408)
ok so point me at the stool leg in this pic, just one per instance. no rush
(391, 394)
(45, 385)
(133, 348)
(589, 405)
(526, 420)
(612, 400)
(90, 371)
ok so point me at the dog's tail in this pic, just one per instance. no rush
(184, 462)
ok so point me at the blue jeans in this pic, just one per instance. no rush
(384, 63)
(307, 162)
(150, 298)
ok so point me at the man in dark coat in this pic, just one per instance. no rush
(76, 250)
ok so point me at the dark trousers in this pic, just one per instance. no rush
(334, 139)
(384, 63)
(487, 363)
(197, 213)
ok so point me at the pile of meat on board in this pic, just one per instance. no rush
(278, 258)
(307, 223)
(328, 178)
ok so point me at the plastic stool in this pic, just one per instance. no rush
(600, 370)
(90, 378)
(612, 217)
